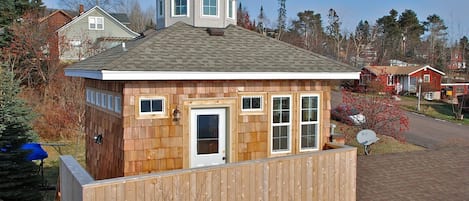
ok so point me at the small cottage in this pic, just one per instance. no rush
(199, 94)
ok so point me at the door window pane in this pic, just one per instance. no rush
(207, 134)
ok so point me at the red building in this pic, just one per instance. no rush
(50, 24)
(397, 79)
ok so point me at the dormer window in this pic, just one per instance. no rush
(96, 23)
(210, 7)
(180, 8)
(231, 8)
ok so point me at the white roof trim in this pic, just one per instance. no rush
(103, 11)
(184, 75)
(429, 67)
(455, 84)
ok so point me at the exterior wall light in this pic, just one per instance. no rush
(176, 114)
(98, 139)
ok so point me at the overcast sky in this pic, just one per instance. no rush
(453, 12)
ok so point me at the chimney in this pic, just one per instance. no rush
(81, 9)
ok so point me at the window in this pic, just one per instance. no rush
(92, 96)
(160, 8)
(210, 7)
(75, 43)
(390, 80)
(152, 105)
(365, 79)
(110, 102)
(252, 103)
(104, 100)
(88, 95)
(117, 106)
(230, 8)
(180, 7)
(281, 123)
(309, 123)
(426, 78)
(98, 99)
(96, 23)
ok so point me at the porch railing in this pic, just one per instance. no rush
(322, 175)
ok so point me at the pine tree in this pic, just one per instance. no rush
(18, 177)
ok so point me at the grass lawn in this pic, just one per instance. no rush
(75, 148)
(385, 145)
(434, 109)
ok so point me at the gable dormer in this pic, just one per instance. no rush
(198, 13)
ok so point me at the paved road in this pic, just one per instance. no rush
(432, 133)
(425, 131)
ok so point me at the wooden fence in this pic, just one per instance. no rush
(323, 175)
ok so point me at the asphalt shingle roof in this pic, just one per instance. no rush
(182, 47)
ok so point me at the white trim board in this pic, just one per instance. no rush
(184, 75)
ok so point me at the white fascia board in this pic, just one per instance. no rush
(455, 84)
(175, 75)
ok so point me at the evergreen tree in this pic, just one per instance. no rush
(18, 176)
(282, 18)
(12, 10)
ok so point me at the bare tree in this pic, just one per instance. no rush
(109, 5)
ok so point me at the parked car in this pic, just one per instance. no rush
(348, 114)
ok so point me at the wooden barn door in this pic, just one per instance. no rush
(208, 137)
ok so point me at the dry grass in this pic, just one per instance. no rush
(385, 145)
(75, 148)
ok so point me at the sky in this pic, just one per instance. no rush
(453, 12)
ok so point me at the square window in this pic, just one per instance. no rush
(252, 103)
(426, 78)
(152, 106)
(98, 98)
(210, 7)
(104, 100)
(110, 102)
(180, 7)
(96, 23)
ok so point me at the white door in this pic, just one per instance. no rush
(208, 134)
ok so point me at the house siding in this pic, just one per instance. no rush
(90, 46)
(104, 160)
(160, 144)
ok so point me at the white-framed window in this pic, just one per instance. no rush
(210, 8)
(180, 7)
(88, 95)
(95, 23)
(365, 79)
(117, 105)
(426, 78)
(160, 8)
(152, 105)
(75, 43)
(104, 100)
(281, 124)
(92, 96)
(231, 9)
(309, 122)
(252, 103)
(110, 102)
(98, 99)
(390, 80)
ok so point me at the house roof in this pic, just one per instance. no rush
(399, 70)
(184, 52)
(122, 17)
(77, 19)
(55, 12)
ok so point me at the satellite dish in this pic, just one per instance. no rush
(366, 138)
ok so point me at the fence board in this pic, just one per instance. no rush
(324, 175)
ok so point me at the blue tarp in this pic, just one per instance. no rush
(37, 153)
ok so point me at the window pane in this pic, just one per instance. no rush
(284, 143)
(276, 104)
(206, 11)
(309, 115)
(285, 117)
(246, 103)
(305, 102)
(276, 117)
(276, 144)
(308, 136)
(118, 104)
(284, 131)
(276, 131)
(285, 103)
(157, 105)
(206, 2)
(213, 2)
(183, 11)
(207, 134)
(104, 100)
(145, 106)
(99, 26)
(256, 103)
(230, 8)
(213, 10)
